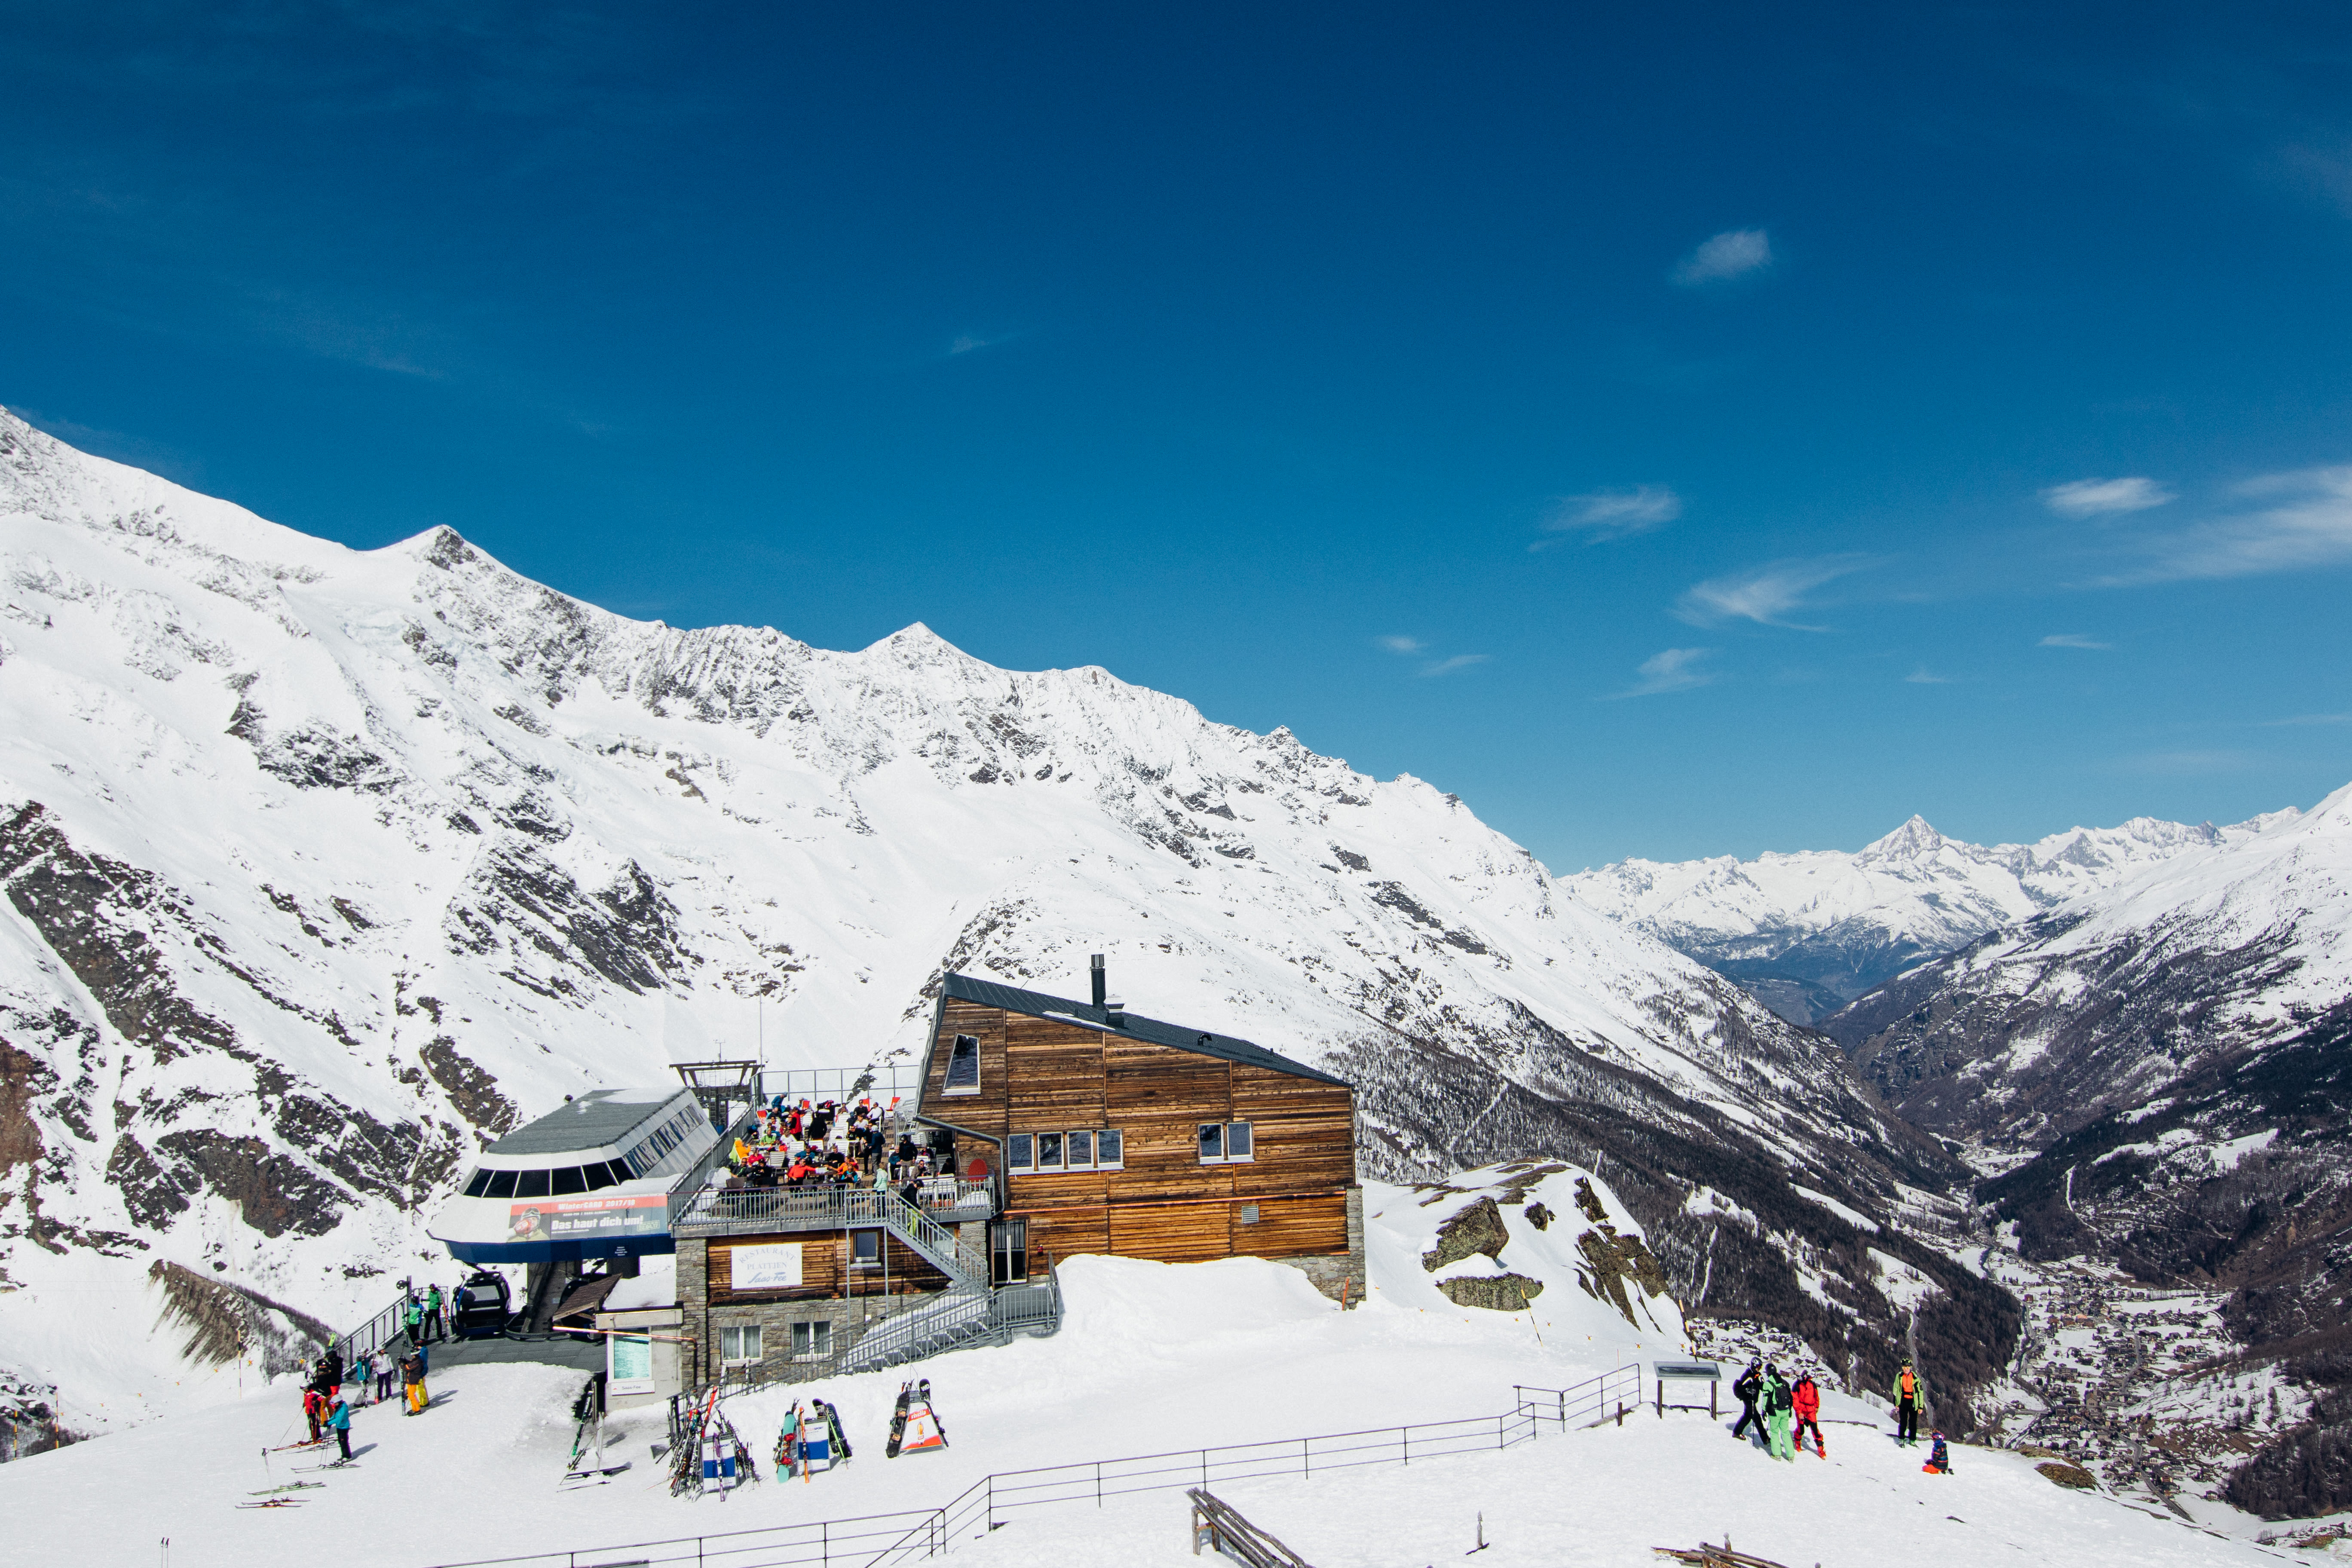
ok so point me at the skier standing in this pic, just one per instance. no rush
(364, 1374)
(1749, 1387)
(1778, 1413)
(1805, 1399)
(1907, 1406)
(412, 1317)
(383, 1371)
(433, 1327)
(412, 1374)
(339, 1417)
(312, 1409)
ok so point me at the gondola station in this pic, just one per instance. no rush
(1053, 1127)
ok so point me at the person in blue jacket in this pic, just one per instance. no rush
(339, 1418)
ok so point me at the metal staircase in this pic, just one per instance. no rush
(958, 1318)
(748, 1210)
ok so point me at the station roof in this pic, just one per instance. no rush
(1037, 1005)
(595, 1119)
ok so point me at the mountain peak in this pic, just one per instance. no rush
(1914, 837)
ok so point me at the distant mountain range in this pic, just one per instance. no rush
(1808, 933)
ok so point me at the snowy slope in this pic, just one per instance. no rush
(1154, 1359)
(1827, 925)
(322, 866)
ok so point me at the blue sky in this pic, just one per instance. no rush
(1694, 432)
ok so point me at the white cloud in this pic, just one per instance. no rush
(1459, 661)
(1395, 644)
(1734, 253)
(1669, 671)
(2071, 640)
(1764, 594)
(2105, 498)
(1611, 515)
(1920, 677)
(2302, 720)
(2308, 524)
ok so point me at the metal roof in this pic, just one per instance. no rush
(1037, 1005)
(595, 1121)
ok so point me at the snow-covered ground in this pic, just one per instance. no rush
(1154, 1358)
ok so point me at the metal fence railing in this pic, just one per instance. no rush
(886, 1540)
(1588, 1404)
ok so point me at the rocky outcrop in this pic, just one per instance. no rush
(1497, 1292)
(1478, 1228)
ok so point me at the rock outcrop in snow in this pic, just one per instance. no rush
(322, 867)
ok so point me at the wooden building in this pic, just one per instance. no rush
(1116, 1133)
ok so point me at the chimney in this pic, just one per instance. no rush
(1101, 981)
(1114, 1015)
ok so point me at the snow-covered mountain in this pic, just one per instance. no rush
(321, 866)
(1809, 932)
(2162, 1074)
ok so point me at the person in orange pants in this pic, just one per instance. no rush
(412, 1375)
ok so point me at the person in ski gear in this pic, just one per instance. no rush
(1805, 1400)
(364, 1374)
(412, 1375)
(1778, 1415)
(1747, 1390)
(385, 1368)
(433, 1325)
(1907, 1406)
(412, 1319)
(313, 1407)
(1939, 1457)
(338, 1417)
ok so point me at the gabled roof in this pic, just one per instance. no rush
(1037, 1005)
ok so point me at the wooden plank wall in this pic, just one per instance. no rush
(1039, 1075)
(824, 1269)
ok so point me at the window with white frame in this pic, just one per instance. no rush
(1226, 1144)
(963, 1065)
(1079, 1149)
(813, 1342)
(866, 1250)
(738, 1343)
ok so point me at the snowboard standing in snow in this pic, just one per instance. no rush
(914, 1425)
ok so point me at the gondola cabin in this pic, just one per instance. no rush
(1122, 1134)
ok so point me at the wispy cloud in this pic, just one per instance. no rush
(1921, 677)
(2071, 640)
(1611, 514)
(1673, 671)
(1766, 594)
(2306, 523)
(2301, 719)
(1399, 644)
(972, 342)
(2105, 498)
(1459, 661)
(1734, 253)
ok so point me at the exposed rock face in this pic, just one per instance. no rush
(2059, 1473)
(1618, 1261)
(1478, 1228)
(1496, 1292)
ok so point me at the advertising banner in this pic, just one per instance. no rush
(588, 1218)
(773, 1268)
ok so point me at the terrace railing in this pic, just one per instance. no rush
(1588, 1404)
(748, 1210)
(887, 1539)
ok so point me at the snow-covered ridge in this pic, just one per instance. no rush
(1845, 922)
(321, 866)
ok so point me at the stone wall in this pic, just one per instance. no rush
(1339, 1275)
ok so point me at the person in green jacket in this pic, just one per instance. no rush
(412, 1317)
(1779, 1414)
(1909, 1398)
(432, 1313)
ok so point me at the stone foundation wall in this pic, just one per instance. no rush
(852, 1320)
(1339, 1275)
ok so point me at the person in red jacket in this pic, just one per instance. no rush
(1806, 1400)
